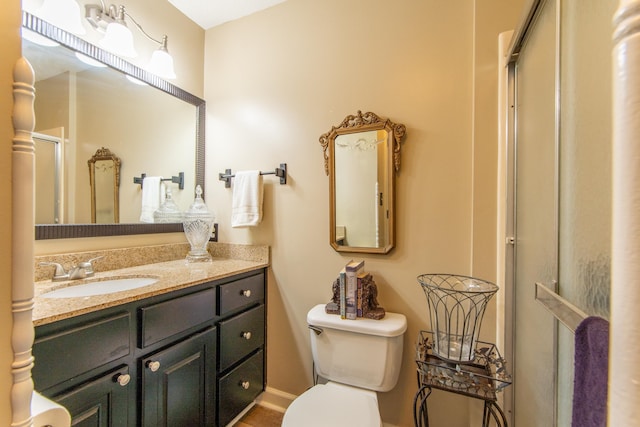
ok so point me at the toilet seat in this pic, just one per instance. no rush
(335, 405)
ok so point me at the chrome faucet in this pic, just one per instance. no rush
(80, 271)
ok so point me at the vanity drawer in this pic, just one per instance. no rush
(65, 355)
(240, 335)
(160, 321)
(241, 293)
(239, 388)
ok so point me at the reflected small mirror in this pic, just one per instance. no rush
(361, 158)
(104, 180)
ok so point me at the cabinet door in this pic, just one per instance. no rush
(99, 403)
(178, 383)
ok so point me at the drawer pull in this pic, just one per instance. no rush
(246, 293)
(122, 379)
(153, 365)
(246, 335)
(245, 385)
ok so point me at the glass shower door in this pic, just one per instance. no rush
(535, 222)
(585, 172)
(562, 196)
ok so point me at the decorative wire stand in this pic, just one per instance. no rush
(456, 307)
(480, 379)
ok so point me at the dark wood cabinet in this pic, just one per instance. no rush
(101, 402)
(239, 387)
(178, 383)
(193, 357)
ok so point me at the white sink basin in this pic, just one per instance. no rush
(101, 287)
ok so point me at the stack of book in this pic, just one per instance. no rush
(351, 280)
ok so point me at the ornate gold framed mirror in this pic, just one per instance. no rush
(361, 158)
(104, 179)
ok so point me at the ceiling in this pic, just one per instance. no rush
(209, 13)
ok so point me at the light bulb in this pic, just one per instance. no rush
(119, 40)
(37, 38)
(136, 81)
(161, 64)
(89, 61)
(64, 14)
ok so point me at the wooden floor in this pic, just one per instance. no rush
(259, 416)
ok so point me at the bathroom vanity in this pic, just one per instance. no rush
(181, 352)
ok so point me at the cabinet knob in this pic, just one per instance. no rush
(245, 385)
(246, 293)
(153, 365)
(246, 335)
(123, 379)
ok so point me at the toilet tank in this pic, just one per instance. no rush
(363, 353)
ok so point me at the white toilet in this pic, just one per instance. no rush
(358, 358)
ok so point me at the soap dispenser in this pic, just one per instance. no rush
(198, 225)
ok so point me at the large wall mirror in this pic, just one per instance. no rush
(156, 129)
(361, 158)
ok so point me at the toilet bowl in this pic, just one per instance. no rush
(335, 405)
(358, 358)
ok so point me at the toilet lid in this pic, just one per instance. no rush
(334, 405)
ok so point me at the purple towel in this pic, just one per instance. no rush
(591, 373)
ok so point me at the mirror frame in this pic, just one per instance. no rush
(103, 154)
(67, 231)
(362, 123)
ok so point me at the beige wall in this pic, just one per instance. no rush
(277, 80)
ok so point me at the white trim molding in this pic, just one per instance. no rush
(22, 229)
(624, 371)
(275, 399)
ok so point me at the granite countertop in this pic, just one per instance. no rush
(172, 275)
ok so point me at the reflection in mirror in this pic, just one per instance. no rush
(49, 147)
(104, 180)
(362, 155)
(96, 107)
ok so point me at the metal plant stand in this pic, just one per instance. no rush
(482, 378)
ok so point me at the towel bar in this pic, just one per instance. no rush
(568, 314)
(175, 179)
(279, 172)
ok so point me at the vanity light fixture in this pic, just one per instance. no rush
(64, 14)
(37, 38)
(118, 38)
(161, 63)
(90, 61)
(136, 81)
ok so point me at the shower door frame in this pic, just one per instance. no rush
(510, 116)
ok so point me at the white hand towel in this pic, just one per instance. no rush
(152, 197)
(246, 205)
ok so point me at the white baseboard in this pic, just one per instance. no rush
(275, 399)
(270, 398)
